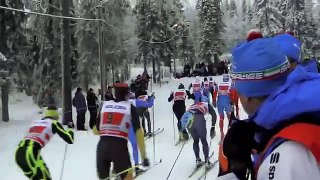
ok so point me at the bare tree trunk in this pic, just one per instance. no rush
(85, 78)
(159, 69)
(3, 47)
(66, 64)
(5, 100)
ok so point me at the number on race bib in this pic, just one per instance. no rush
(112, 118)
(37, 129)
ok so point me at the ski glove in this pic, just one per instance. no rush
(212, 132)
(235, 152)
(146, 162)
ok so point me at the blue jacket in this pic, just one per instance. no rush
(79, 102)
(144, 104)
(300, 94)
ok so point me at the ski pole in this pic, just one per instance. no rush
(122, 172)
(176, 160)
(64, 158)
(174, 129)
(153, 137)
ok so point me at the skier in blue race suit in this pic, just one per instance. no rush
(132, 135)
(196, 90)
(222, 97)
(143, 102)
(194, 121)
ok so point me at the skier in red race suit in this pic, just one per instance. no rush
(115, 118)
(179, 108)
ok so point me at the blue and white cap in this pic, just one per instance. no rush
(258, 67)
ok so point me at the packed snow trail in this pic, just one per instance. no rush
(80, 161)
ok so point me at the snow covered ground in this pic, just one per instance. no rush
(80, 157)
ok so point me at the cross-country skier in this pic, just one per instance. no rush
(284, 113)
(212, 88)
(194, 121)
(196, 89)
(179, 108)
(143, 102)
(223, 100)
(133, 139)
(205, 91)
(114, 121)
(205, 83)
(28, 155)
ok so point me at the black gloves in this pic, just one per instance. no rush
(237, 147)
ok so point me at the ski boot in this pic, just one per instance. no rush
(212, 132)
(207, 164)
(138, 170)
(199, 163)
(185, 136)
(180, 136)
(149, 134)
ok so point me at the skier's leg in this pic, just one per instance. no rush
(228, 109)
(103, 162)
(213, 114)
(193, 132)
(176, 113)
(196, 148)
(23, 160)
(133, 141)
(122, 162)
(221, 114)
(140, 112)
(147, 115)
(185, 134)
(43, 170)
(202, 132)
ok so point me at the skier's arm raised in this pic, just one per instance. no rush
(66, 135)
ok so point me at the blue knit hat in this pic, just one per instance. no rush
(290, 46)
(258, 67)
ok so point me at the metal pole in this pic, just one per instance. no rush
(101, 62)
(66, 64)
(174, 65)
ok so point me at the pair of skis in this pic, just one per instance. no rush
(204, 174)
(156, 132)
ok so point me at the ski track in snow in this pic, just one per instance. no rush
(81, 156)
